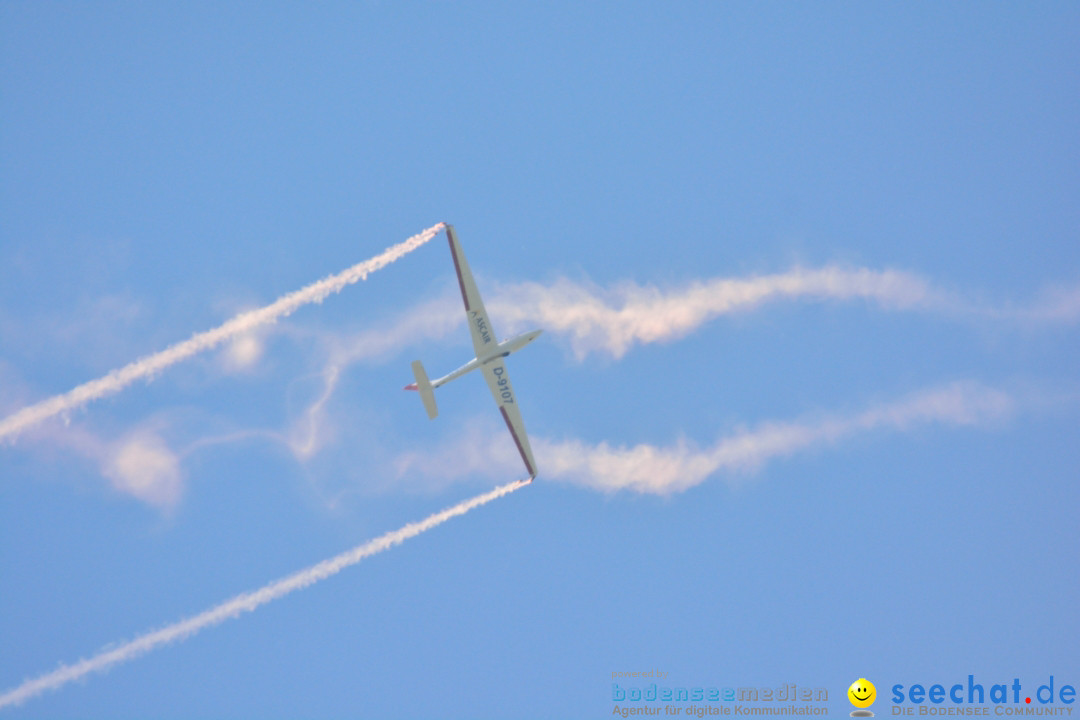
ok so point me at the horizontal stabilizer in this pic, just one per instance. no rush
(423, 386)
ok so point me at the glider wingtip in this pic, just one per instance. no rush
(411, 386)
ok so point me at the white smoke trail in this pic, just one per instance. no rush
(145, 367)
(613, 319)
(246, 602)
(663, 470)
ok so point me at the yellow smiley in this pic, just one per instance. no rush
(862, 693)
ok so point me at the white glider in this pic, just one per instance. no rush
(489, 358)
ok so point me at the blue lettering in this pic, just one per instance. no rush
(1050, 692)
(972, 687)
(976, 693)
(617, 693)
(481, 326)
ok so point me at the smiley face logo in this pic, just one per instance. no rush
(862, 693)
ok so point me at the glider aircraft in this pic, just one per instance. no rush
(489, 358)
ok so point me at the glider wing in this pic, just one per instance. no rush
(483, 336)
(503, 392)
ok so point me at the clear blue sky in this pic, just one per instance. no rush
(164, 166)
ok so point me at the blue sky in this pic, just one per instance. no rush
(870, 471)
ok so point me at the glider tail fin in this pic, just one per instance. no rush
(423, 386)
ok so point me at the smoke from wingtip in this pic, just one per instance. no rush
(667, 469)
(118, 379)
(615, 319)
(247, 602)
